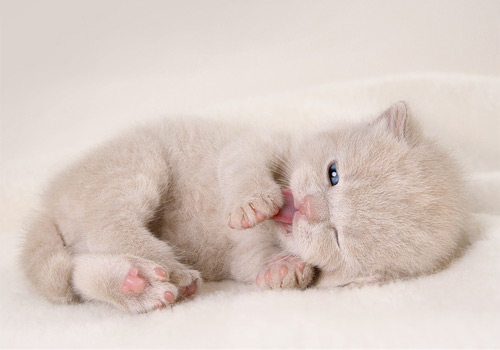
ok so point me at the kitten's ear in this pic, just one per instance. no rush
(395, 120)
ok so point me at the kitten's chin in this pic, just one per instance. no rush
(286, 229)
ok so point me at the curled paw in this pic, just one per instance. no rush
(285, 272)
(254, 210)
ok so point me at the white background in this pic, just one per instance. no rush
(67, 66)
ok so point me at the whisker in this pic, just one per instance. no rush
(278, 258)
(282, 170)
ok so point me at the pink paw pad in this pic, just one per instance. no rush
(267, 277)
(189, 290)
(161, 273)
(245, 223)
(133, 283)
(283, 271)
(169, 297)
(260, 216)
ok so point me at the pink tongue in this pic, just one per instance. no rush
(286, 212)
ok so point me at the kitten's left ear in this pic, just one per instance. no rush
(395, 120)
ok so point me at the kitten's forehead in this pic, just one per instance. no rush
(315, 148)
(365, 147)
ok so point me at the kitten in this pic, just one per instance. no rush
(142, 219)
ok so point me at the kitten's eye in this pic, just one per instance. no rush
(333, 175)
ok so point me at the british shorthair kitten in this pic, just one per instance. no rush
(141, 220)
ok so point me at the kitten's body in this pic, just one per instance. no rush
(171, 171)
(192, 197)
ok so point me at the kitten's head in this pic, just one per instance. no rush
(376, 201)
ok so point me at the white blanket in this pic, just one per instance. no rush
(458, 307)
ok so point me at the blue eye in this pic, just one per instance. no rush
(333, 174)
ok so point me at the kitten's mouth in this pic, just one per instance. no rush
(286, 213)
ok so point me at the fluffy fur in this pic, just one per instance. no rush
(192, 198)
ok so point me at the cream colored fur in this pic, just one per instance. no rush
(167, 195)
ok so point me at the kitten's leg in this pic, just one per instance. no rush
(256, 258)
(246, 180)
(126, 238)
(126, 281)
(46, 261)
(117, 225)
(103, 206)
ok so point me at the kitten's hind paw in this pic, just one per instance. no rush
(146, 288)
(133, 283)
(188, 281)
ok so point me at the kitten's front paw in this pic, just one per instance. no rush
(285, 272)
(255, 209)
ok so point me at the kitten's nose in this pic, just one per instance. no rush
(306, 208)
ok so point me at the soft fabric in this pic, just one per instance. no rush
(457, 307)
